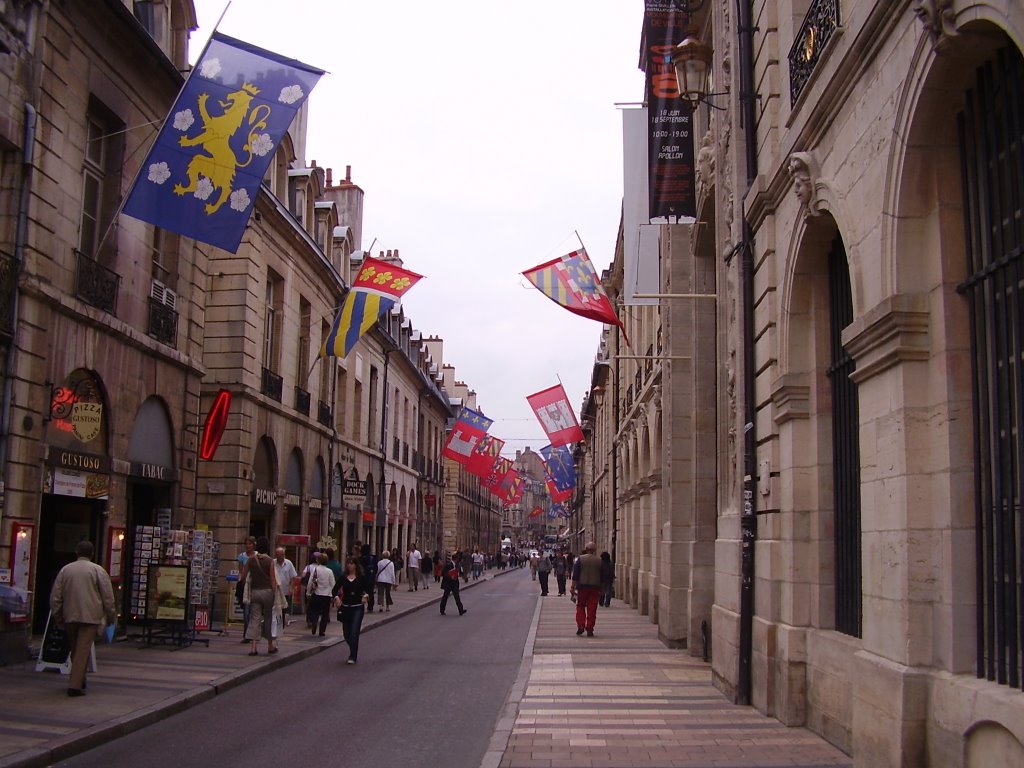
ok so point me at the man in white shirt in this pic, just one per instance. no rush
(320, 589)
(285, 573)
(412, 565)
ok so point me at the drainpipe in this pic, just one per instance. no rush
(20, 237)
(748, 519)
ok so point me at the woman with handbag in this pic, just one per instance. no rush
(450, 581)
(385, 582)
(350, 596)
(260, 589)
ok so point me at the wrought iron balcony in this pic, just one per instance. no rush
(302, 401)
(395, 448)
(96, 285)
(163, 323)
(8, 285)
(324, 413)
(272, 385)
(819, 23)
(649, 361)
(405, 454)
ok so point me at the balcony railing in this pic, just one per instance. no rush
(405, 454)
(323, 413)
(649, 361)
(8, 285)
(272, 385)
(302, 401)
(395, 448)
(96, 285)
(163, 323)
(820, 22)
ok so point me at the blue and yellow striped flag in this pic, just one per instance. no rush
(377, 288)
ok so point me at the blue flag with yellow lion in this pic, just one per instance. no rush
(204, 171)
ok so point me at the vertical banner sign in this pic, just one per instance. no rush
(670, 141)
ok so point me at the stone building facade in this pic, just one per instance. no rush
(103, 315)
(116, 336)
(858, 218)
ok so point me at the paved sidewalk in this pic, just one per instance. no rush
(135, 685)
(622, 699)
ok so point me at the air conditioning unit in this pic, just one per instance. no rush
(161, 293)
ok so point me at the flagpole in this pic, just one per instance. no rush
(575, 232)
(167, 117)
(318, 359)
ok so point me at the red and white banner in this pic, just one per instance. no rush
(551, 406)
(470, 428)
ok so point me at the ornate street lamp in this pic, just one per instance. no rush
(692, 60)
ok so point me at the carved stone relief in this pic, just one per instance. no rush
(938, 18)
(802, 171)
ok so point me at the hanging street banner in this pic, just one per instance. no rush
(484, 456)
(554, 493)
(572, 282)
(494, 480)
(470, 428)
(201, 177)
(641, 265)
(553, 411)
(560, 466)
(377, 288)
(670, 138)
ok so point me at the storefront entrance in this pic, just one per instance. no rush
(63, 522)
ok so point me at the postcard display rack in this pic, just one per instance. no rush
(172, 582)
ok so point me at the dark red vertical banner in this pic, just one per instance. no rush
(670, 141)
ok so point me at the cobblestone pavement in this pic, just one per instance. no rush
(622, 699)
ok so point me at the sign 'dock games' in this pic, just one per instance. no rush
(670, 142)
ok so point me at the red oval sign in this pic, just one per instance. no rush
(216, 422)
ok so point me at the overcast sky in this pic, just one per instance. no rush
(485, 135)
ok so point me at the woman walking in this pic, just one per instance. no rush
(260, 588)
(351, 595)
(385, 582)
(427, 566)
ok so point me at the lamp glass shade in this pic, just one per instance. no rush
(692, 62)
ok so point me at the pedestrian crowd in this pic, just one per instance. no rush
(82, 599)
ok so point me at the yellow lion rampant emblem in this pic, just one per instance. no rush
(220, 163)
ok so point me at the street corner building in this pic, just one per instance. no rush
(807, 465)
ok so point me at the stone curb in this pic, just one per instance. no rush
(81, 741)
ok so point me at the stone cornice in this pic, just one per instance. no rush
(893, 332)
(791, 396)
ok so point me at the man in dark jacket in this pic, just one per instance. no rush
(450, 581)
(369, 563)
